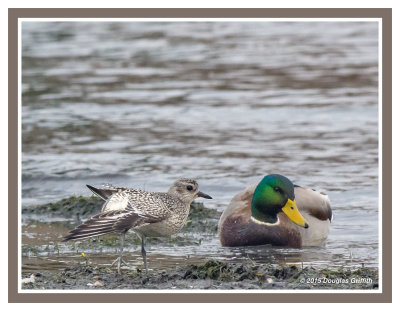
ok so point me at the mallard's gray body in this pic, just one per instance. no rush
(237, 228)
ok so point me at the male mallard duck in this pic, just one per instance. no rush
(276, 212)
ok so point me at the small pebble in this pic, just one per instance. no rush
(31, 279)
(96, 284)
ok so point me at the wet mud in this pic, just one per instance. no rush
(210, 275)
(202, 273)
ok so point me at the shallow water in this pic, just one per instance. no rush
(142, 104)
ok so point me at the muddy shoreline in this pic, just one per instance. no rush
(208, 274)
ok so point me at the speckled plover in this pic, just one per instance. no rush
(148, 214)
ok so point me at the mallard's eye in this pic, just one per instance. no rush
(277, 189)
(190, 188)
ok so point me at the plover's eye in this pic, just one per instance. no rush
(190, 188)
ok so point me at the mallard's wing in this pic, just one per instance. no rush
(313, 203)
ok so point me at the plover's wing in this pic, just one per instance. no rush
(111, 221)
(105, 192)
(131, 219)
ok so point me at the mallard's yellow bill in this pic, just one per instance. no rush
(291, 211)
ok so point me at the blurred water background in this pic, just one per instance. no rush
(141, 104)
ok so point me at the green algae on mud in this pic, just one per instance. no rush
(80, 206)
(212, 274)
(202, 274)
(74, 206)
(202, 222)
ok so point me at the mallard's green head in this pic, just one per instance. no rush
(275, 193)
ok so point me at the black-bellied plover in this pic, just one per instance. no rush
(148, 214)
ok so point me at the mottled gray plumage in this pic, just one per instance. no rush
(147, 213)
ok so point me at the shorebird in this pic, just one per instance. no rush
(148, 214)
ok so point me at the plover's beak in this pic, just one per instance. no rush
(203, 195)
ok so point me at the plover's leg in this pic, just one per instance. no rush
(119, 260)
(144, 252)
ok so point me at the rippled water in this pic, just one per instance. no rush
(141, 104)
